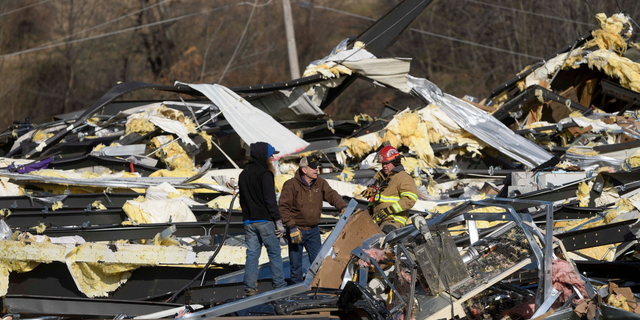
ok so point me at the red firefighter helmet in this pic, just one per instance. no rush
(388, 154)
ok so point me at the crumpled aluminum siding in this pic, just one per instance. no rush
(481, 124)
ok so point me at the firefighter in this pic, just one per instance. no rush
(392, 194)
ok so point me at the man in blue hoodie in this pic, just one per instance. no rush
(261, 217)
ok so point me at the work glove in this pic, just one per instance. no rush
(279, 229)
(369, 192)
(382, 214)
(339, 212)
(295, 235)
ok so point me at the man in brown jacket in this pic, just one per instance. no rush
(300, 207)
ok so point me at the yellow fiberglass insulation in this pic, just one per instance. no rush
(135, 214)
(621, 68)
(97, 279)
(207, 138)
(184, 173)
(7, 266)
(410, 165)
(224, 202)
(609, 34)
(40, 228)
(362, 117)
(98, 205)
(90, 175)
(174, 155)
(361, 146)
(417, 130)
(50, 173)
(168, 241)
(328, 69)
(57, 205)
(98, 147)
(347, 174)
(634, 159)
(583, 193)
(588, 152)
(618, 301)
(280, 179)
(487, 210)
(406, 129)
(599, 252)
(139, 125)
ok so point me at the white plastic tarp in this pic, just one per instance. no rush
(251, 124)
(481, 124)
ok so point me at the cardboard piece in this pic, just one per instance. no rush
(588, 91)
(359, 228)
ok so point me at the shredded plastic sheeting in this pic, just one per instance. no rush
(543, 73)
(481, 124)
(596, 124)
(251, 124)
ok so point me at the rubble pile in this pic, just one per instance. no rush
(527, 203)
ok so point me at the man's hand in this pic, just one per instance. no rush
(341, 211)
(369, 192)
(382, 214)
(279, 229)
(295, 235)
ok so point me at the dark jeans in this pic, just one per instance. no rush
(256, 234)
(310, 241)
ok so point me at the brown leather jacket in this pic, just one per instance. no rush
(301, 206)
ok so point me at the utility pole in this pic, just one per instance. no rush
(291, 40)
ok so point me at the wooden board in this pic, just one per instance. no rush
(359, 228)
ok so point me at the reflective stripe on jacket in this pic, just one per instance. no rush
(400, 193)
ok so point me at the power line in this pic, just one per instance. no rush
(127, 29)
(105, 23)
(435, 34)
(246, 27)
(22, 8)
(531, 13)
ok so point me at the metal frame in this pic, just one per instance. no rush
(282, 292)
(544, 258)
(327, 246)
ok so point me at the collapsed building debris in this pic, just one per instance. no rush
(527, 204)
